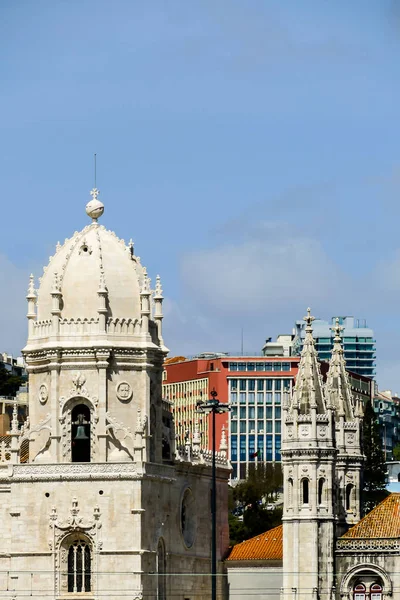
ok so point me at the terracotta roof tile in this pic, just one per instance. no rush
(266, 546)
(382, 522)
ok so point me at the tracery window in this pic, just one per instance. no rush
(79, 567)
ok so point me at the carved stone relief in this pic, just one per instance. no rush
(124, 391)
(43, 393)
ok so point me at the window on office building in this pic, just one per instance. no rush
(285, 366)
(241, 366)
(233, 426)
(242, 397)
(242, 412)
(242, 385)
(251, 397)
(269, 383)
(278, 385)
(252, 412)
(251, 366)
(268, 397)
(260, 412)
(233, 366)
(243, 427)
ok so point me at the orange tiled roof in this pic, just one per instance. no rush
(266, 546)
(382, 522)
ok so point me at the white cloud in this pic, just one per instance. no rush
(273, 269)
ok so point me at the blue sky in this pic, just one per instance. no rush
(250, 149)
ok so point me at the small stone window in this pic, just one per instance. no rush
(349, 496)
(321, 490)
(305, 490)
(290, 492)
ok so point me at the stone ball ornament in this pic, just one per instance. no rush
(94, 208)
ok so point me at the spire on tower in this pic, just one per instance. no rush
(308, 391)
(338, 387)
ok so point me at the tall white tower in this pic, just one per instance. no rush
(106, 506)
(319, 458)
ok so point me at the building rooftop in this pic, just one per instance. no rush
(266, 546)
(382, 522)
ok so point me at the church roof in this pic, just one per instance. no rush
(382, 522)
(266, 546)
(91, 260)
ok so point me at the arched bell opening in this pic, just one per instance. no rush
(80, 433)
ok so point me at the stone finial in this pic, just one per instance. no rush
(56, 284)
(223, 447)
(337, 330)
(308, 319)
(102, 283)
(31, 288)
(14, 420)
(158, 292)
(131, 248)
(196, 440)
(94, 208)
(145, 286)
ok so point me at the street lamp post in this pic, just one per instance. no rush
(213, 406)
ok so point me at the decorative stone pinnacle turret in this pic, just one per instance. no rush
(309, 319)
(56, 284)
(158, 291)
(14, 420)
(131, 247)
(31, 288)
(145, 286)
(196, 440)
(337, 330)
(223, 447)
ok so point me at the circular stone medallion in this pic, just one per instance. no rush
(43, 393)
(124, 391)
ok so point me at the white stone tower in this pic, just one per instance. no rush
(320, 456)
(106, 505)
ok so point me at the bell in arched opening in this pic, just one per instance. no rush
(80, 434)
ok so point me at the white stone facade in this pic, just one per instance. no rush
(107, 507)
(321, 461)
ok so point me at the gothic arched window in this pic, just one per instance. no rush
(321, 487)
(349, 495)
(161, 571)
(305, 490)
(359, 592)
(79, 567)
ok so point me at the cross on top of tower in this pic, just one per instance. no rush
(337, 329)
(94, 193)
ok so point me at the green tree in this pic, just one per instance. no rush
(9, 384)
(374, 473)
(251, 512)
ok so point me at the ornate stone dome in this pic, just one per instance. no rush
(92, 259)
